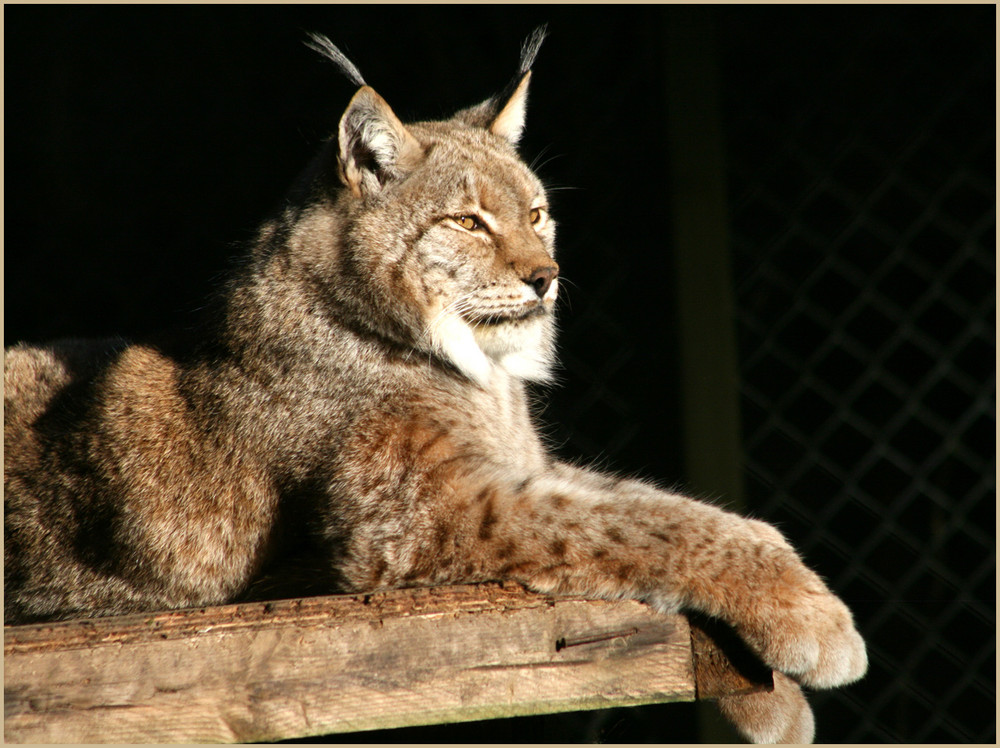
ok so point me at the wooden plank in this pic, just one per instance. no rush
(283, 669)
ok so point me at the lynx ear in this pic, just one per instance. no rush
(503, 115)
(509, 123)
(375, 146)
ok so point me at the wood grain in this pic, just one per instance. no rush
(315, 666)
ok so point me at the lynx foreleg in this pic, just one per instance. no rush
(779, 716)
(570, 531)
(740, 570)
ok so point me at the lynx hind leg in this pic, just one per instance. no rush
(779, 716)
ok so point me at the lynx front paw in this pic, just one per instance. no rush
(802, 629)
(779, 716)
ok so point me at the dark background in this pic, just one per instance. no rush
(143, 144)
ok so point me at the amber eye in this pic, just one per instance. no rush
(471, 223)
(535, 215)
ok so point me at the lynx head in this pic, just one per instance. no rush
(447, 243)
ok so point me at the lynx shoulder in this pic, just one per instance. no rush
(359, 390)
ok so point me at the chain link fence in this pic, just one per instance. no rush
(862, 193)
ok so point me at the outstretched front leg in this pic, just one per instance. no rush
(565, 530)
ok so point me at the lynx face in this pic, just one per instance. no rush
(488, 255)
(473, 241)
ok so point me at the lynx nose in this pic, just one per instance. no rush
(542, 278)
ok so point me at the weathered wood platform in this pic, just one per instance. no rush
(315, 666)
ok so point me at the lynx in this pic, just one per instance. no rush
(359, 389)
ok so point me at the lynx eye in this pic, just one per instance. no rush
(536, 216)
(470, 223)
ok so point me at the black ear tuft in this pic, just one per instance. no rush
(529, 50)
(329, 50)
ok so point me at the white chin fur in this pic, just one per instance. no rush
(532, 368)
(454, 339)
(522, 350)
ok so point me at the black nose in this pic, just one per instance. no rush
(542, 278)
